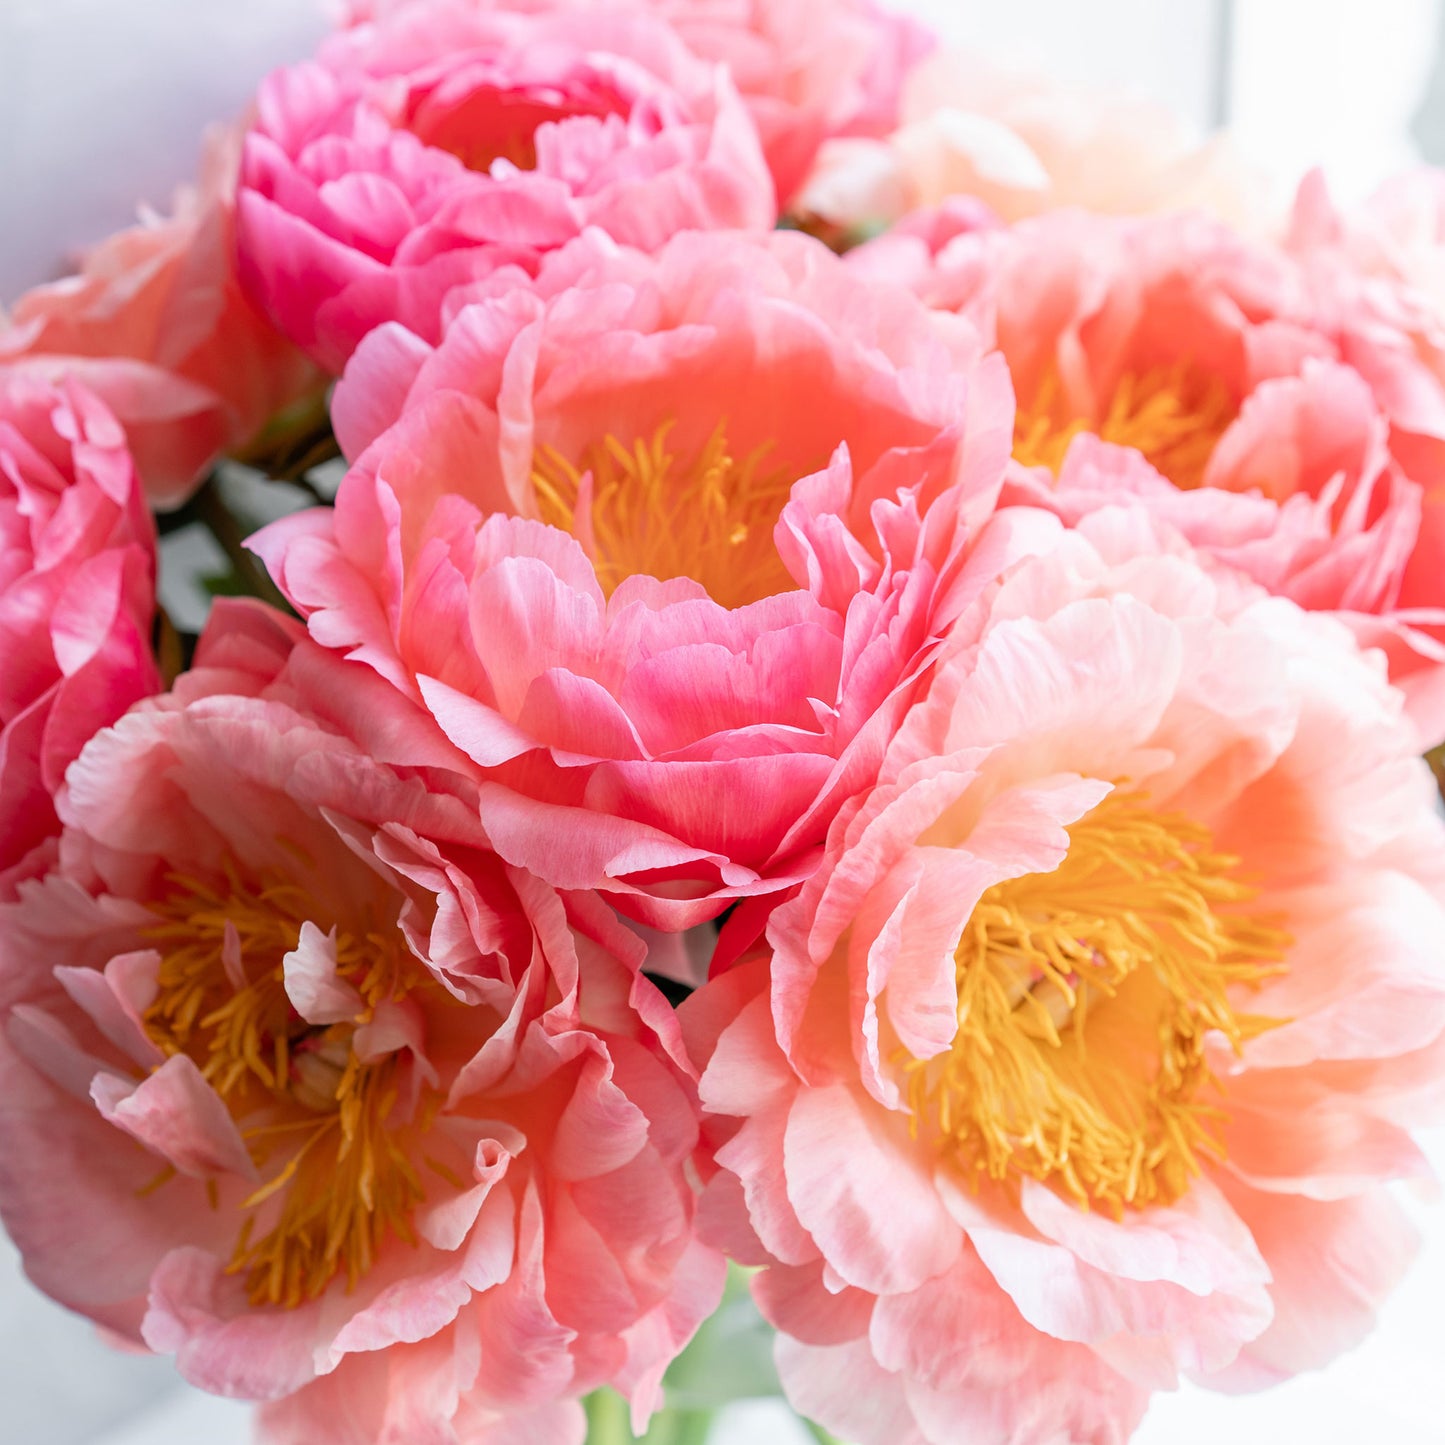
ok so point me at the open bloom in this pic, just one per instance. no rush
(1081, 1061)
(1023, 145)
(298, 1078)
(77, 592)
(807, 69)
(422, 151)
(664, 545)
(156, 324)
(1232, 367)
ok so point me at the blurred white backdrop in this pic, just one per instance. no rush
(101, 106)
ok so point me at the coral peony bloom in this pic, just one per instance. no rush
(1023, 146)
(664, 546)
(1231, 367)
(808, 69)
(1081, 1061)
(297, 1078)
(77, 591)
(157, 325)
(426, 150)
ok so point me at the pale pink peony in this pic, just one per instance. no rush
(808, 69)
(774, 479)
(1382, 269)
(305, 1086)
(157, 325)
(77, 592)
(1081, 1062)
(1233, 367)
(1023, 145)
(427, 149)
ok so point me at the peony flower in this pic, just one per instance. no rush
(1230, 367)
(808, 69)
(156, 324)
(1022, 145)
(664, 546)
(1082, 1060)
(77, 592)
(300, 1080)
(426, 150)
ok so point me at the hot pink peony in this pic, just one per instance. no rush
(304, 1085)
(77, 592)
(1232, 367)
(808, 69)
(664, 546)
(423, 151)
(156, 324)
(1080, 1063)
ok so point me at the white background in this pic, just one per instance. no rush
(101, 106)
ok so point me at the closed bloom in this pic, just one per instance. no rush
(807, 69)
(303, 1085)
(664, 545)
(424, 150)
(1291, 410)
(1081, 1062)
(77, 593)
(157, 325)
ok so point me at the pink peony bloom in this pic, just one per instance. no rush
(426, 150)
(664, 546)
(1023, 145)
(302, 1084)
(808, 69)
(1081, 1062)
(1232, 367)
(156, 324)
(77, 592)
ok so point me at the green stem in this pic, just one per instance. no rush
(682, 1427)
(819, 1433)
(607, 1419)
(210, 510)
(609, 1423)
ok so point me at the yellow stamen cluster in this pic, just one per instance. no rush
(1085, 997)
(322, 1127)
(1173, 414)
(641, 508)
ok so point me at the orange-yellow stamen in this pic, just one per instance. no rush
(1085, 997)
(1173, 414)
(642, 508)
(323, 1128)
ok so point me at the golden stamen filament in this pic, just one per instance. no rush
(322, 1127)
(1085, 1000)
(642, 508)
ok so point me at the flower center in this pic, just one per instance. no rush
(323, 1126)
(1174, 415)
(487, 123)
(646, 509)
(1085, 998)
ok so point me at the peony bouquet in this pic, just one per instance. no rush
(832, 706)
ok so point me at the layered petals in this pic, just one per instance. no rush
(424, 151)
(1021, 145)
(671, 645)
(1081, 1063)
(1288, 404)
(156, 324)
(307, 1087)
(77, 593)
(808, 70)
